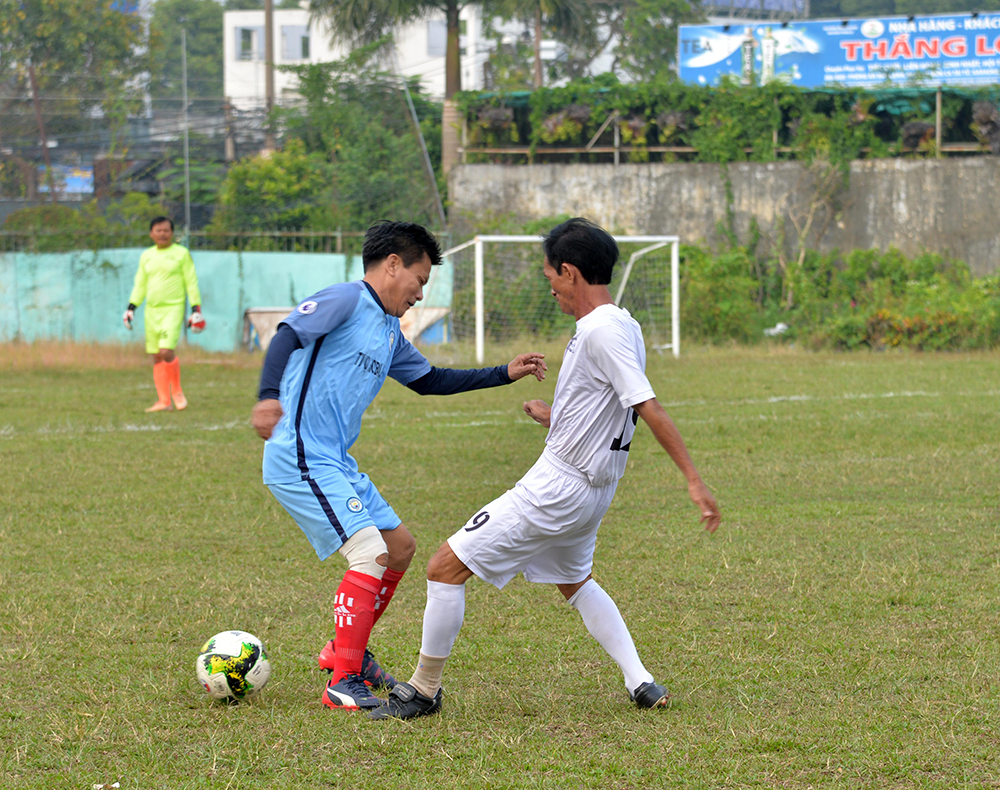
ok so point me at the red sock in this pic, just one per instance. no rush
(390, 579)
(354, 615)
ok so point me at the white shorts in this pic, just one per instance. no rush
(545, 527)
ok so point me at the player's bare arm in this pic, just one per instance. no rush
(265, 415)
(530, 364)
(669, 437)
(539, 411)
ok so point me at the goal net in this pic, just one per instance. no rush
(500, 294)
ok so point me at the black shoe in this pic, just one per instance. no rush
(372, 673)
(349, 693)
(405, 702)
(651, 695)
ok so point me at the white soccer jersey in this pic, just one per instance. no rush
(603, 375)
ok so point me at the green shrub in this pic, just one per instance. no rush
(59, 228)
(717, 295)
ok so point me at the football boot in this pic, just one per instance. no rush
(349, 693)
(651, 695)
(405, 702)
(371, 671)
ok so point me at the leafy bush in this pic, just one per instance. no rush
(717, 295)
(58, 227)
(280, 191)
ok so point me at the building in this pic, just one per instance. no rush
(419, 51)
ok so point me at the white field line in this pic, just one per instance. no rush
(472, 420)
(817, 399)
(9, 432)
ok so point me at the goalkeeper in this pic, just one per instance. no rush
(166, 273)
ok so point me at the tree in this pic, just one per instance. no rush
(279, 191)
(642, 35)
(565, 18)
(367, 21)
(647, 44)
(841, 9)
(80, 56)
(202, 21)
(357, 118)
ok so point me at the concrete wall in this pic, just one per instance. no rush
(947, 206)
(80, 296)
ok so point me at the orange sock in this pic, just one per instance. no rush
(174, 369)
(161, 378)
(175, 375)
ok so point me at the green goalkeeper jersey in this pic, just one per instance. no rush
(164, 276)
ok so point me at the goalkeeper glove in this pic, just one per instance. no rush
(196, 322)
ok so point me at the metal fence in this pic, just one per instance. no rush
(338, 241)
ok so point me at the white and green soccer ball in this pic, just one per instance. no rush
(233, 666)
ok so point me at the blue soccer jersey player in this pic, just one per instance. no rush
(325, 365)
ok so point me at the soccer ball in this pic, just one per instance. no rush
(233, 666)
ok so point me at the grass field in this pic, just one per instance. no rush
(840, 630)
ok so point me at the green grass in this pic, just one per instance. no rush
(840, 629)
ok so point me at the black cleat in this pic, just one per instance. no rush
(372, 673)
(349, 693)
(651, 695)
(405, 702)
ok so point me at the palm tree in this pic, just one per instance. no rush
(367, 21)
(567, 17)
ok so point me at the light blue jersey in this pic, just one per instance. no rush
(350, 344)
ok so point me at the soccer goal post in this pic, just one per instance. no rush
(511, 296)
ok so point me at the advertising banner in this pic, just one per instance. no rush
(953, 49)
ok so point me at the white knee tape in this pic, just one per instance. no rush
(361, 550)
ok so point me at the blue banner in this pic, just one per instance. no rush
(953, 49)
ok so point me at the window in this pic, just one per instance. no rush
(249, 43)
(294, 42)
(437, 38)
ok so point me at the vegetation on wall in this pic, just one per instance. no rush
(725, 123)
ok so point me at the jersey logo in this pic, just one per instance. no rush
(368, 364)
(569, 346)
(354, 504)
(392, 338)
(307, 307)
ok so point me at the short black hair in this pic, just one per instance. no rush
(406, 239)
(588, 247)
(157, 220)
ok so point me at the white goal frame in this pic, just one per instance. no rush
(654, 242)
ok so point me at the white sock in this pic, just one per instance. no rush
(605, 623)
(443, 618)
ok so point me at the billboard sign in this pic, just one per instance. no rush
(953, 49)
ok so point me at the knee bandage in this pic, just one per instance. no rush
(362, 549)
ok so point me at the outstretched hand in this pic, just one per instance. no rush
(265, 416)
(539, 411)
(530, 364)
(706, 503)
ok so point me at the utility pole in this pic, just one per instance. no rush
(187, 168)
(269, 70)
(230, 148)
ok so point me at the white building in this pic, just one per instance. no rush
(419, 51)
